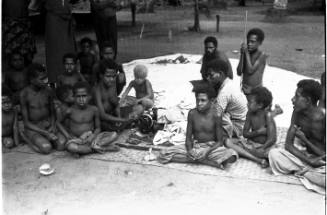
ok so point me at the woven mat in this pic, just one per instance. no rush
(241, 169)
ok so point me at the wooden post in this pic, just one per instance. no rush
(217, 23)
(133, 10)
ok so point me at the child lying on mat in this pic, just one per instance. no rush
(259, 129)
(83, 131)
(204, 136)
(143, 91)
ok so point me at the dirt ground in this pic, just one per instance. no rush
(86, 186)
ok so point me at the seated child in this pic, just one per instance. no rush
(65, 99)
(16, 76)
(70, 76)
(106, 98)
(86, 58)
(259, 129)
(38, 112)
(83, 130)
(204, 135)
(143, 91)
(107, 54)
(10, 137)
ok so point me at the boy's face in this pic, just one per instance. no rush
(69, 65)
(203, 103)
(299, 101)
(253, 106)
(109, 77)
(253, 43)
(41, 80)
(139, 80)
(86, 47)
(82, 97)
(209, 48)
(17, 62)
(6, 103)
(108, 53)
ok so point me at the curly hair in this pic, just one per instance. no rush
(82, 85)
(211, 39)
(34, 70)
(69, 56)
(258, 32)
(310, 88)
(218, 66)
(262, 96)
(200, 86)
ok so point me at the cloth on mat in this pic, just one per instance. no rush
(174, 133)
(103, 138)
(318, 174)
(218, 155)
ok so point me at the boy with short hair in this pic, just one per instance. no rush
(87, 59)
(252, 61)
(64, 100)
(70, 76)
(259, 129)
(106, 98)
(10, 136)
(204, 136)
(16, 75)
(108, 54)
(38, 112)
(83, 130)
(143, 90)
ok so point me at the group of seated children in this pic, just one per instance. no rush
(81, 113)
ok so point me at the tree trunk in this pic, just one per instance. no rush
(196, 26)
(242, 3)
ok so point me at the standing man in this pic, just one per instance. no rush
(211, 53)
(59, 36)
(231, 103)
(105, 22)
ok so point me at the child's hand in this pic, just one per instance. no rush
(52, 136)
(243, 47)
(317, 162)
(192, 154)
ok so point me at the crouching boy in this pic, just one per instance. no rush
(83, 131)
(204, 136)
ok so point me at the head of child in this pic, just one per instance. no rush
(37, 75)
(140, 73)
(210, 45)
(217, 70)
(108, 72)
(204, 95)
(86, 44)
(259, 99)
(107, 51)
(65, 94)
(255, 38)
(16, 61)
(306, 95)
(82, 94)
(7, 104)
(69, 61)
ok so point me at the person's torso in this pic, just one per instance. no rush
(204, 126)
(17, 80)
(7, 123)
(38, 104)
(254, 79)
(81, 120)
(258, 121)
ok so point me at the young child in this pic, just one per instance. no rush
(252, 61)
(108, 54)
(86, 58)
(65, 99)
(204, 136)
(259, 129)
(107, 100)
(83, 130)
(10, 137)
(70, 76)
(38, 112)
(143, 90)
(16, 76)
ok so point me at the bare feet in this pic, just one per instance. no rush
(264, 163)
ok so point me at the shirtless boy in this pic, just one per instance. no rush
(64, 100)
(259, 129)
(70, 76)
(204, 136)
(106, 98)
(38, 112)
(10, 136)
(16, 76)
(143, 90)
(252, 61)
(87, 59)
(83, 129)
(305, 146)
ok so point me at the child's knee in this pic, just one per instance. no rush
(45, 147)
(8, 142)
(61, 143)
(147, 103)
(72, 147)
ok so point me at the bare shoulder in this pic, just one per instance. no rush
(319, 114)
(94, 108)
